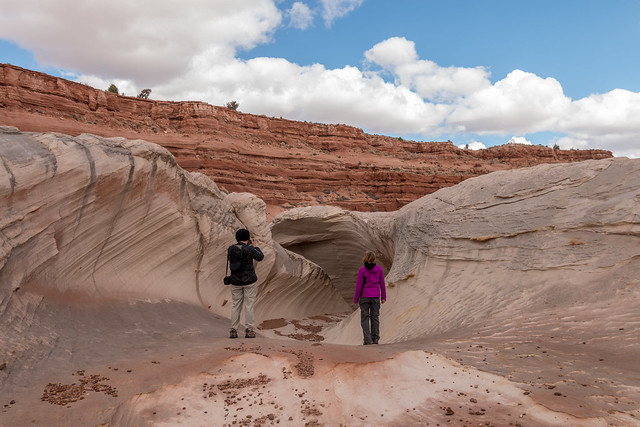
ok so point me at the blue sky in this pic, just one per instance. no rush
(476, 72)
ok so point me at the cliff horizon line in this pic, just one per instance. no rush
(286, 163)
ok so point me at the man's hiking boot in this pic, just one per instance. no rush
(250, 333)
(233, 333)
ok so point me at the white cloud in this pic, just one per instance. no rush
(613, 112)
(621, 144)
(432, 82)
(521, 102)
(281, 88)
(609, 121)
(334, 9)
(392, 53)
(568, 143)
(473, 145)
(125, 87)
(519, 140)
(190, 53)
(300, 16)
(147, 41)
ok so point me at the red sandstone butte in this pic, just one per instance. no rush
(284, 162)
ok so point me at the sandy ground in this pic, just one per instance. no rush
(172, 364)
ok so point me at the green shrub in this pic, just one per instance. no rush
(144, 93)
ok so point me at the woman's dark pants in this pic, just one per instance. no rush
(370, 314)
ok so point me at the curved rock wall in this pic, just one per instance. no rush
(543, 240)
(88, 219)
(87, 215)
(336, 240)
(91, 219)
(513, 250)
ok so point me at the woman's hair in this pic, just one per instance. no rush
(369, 258)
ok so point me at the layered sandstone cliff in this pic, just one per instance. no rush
(286, 163)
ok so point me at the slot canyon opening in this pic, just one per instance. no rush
(337, 244)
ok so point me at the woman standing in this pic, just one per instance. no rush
(370, 290)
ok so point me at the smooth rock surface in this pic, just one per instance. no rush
(531, 274)
(510, 244)
(90, 219)
(512, 297)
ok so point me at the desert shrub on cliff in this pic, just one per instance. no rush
(144, 93)
(113, 89)
(233, 105)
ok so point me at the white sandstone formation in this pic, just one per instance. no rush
(345, 403)
(94, 219)
(552, 243)
(512, 297)
(336, 240)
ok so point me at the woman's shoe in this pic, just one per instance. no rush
(233, 333)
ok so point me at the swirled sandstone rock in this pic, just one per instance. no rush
(87, 219)
(518, 250)
(110, 255)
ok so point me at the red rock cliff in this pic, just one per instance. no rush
(286, 163)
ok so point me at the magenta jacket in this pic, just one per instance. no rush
(373, 280)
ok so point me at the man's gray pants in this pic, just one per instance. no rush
(239, 295)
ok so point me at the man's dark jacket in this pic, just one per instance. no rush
(241, 256)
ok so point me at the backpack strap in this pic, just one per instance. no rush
(241, 256)
(364, 280)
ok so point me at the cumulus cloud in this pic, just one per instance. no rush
(621, 144)
(282, 88)
(473, 145)
(398, 56)
(334, 9)
(300, 16)
(568, 143)
(519, 140)
(392, 53)
(191, 53)
(603, 114)
(148, 41)
(125, 87)
(521, 102)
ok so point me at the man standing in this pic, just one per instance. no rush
(243, 281)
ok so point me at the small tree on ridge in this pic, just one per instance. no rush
(144, 93)
(113, 89)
